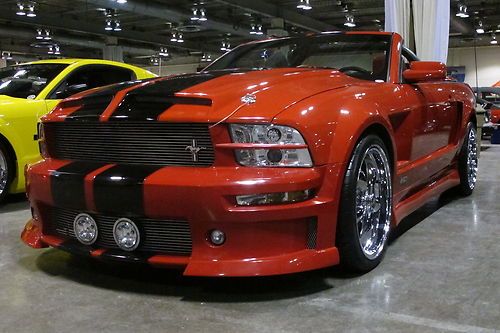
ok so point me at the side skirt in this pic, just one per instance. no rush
(417, 200)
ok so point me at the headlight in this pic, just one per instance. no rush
(267, 151)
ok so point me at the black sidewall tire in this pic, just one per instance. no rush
(10, 170)
(464, 187)
(351, 255)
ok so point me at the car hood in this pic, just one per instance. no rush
(208, 96)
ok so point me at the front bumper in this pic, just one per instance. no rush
(261, 240)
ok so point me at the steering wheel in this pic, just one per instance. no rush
(355, 71)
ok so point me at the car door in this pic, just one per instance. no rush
(432, 116)
(438, 116)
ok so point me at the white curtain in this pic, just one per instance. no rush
(398, 18)
(432, 26)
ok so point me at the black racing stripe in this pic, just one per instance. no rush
(148, 102)
(119, 190)
(94, 104)
(91, 108)
(67, 184)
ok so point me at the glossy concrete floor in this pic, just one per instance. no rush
(441, 274)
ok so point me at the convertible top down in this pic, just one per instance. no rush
(284, 155)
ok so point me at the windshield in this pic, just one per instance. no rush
(26, 81)
(361, 56)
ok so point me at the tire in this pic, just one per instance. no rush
(365, 206)
(467, 162)
(6, 171)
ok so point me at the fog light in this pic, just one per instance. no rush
(126, 234)
(273, 198)
(85, 229)
(217, 237)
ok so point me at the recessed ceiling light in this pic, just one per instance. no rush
(349, 21)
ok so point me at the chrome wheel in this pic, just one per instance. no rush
(472, 159)
(373, 201)
(4, 175)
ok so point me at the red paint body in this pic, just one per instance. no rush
(495, 115)
(423, 124)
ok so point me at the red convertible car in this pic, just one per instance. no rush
(282, 156)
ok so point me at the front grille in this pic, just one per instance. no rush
(130, 142)
(161, 236)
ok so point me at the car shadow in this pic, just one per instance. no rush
(146, 280)
(422, 213)
(14, 202)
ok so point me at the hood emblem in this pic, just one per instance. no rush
(194, 149)
(249, 99)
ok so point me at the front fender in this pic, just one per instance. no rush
(333, 122)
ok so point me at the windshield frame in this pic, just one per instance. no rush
(58, 69)
(240, 50)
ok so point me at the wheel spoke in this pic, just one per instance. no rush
(3, 173)
(472, 158)
(373, 201)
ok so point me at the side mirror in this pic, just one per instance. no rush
(421, 71)
(71, 90)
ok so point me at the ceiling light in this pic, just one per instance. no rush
(39, 34)
(47, 35)
(203, 15)
(259, 30)
(180, 38)
(31, 11)
(112, 23)
(117, 26)
(462, 11)
(225, 46)
(57, 50)
(304, 4)
(349, 21)
(493, 39)
(480, 28)
(195, 17)
(256, 29)
(155, 61)
(174, 37)
(207, 57)
(121, 1)
(109, 25)
(20, 9)
(6, 55)
(51, 50)
(163, 52)
(110, 12)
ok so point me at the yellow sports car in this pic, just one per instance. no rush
(29, 91)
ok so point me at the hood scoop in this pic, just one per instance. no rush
(149, 107)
